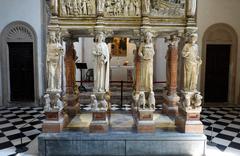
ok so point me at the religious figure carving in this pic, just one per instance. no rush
(59, 103)
(146, 53)
(192, 100)
(101, 64)
(167, 8)
(192, 64)
(192, 6)
(146, 6)
(70, 68)
(77, 7)
(123, 8)
(101, 5)
(54, 63)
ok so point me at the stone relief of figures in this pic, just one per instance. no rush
(123, 8)
(192, 63)
(191, 100)
(143, 103)
(167, 8)
(100, 105)
(54, 63)
(77, 7)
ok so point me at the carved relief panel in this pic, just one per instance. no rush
(77, 7)
(123, 8)
(168, 8)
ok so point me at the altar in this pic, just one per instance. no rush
(175, 130)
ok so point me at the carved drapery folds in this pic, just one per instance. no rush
(77, 7)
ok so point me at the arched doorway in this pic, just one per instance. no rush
(18, 64)
(219, 64)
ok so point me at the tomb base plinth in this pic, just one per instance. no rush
(99, 122)
(53, 123)
(188, 121)
(170, 107)
(145, 123)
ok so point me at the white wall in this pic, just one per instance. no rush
(29, 11)
(220, 11)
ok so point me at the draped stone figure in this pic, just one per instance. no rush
(146, 53)
(146, 6)
(192, 64)
(70, 69)
(101, 5)
(54, 64)
(192, 7)
(101, 64)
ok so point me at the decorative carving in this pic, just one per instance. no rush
(100, 104)
(77, 8)
(192, 7)
(191, 100)
(143, 103)
(123, 8)
(151, 100)
(19, 32)
(168, 8)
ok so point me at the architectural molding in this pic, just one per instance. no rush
(17, 31)
(222, 33)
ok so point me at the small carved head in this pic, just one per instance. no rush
(148, 37)
(193, 38)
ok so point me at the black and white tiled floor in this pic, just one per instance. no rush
(224, 121)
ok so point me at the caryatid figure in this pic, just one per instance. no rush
(146, 6)
(101, 64)
(146, 53)
(54, 63)
(192, 63)
(192, 7)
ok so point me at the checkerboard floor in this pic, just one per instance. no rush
(221, 126)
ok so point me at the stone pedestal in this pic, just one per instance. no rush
(99, 122)
(170, 106)
(145, 123)
(71, 107)
(188, 121)
(53, 123)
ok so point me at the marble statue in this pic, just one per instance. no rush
(59, 103)
(192, 7)
(70, 69)
(141, 100)
(103, 105)
(151, 100)
(197, 100)
(54, 63)
(47, 106)
(146, 53)
(187, 101)
(192, 64)
(94, 103)
(101, 64)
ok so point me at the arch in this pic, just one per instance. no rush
(17, 31)
(221, 33)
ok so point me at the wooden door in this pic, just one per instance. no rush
(217, 73)
(21, 72)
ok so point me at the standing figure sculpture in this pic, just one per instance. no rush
(192, 64)
(101, 64)
(54, 64)
(146, 6)
(70, 69)
(146, 53)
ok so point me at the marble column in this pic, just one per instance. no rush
(71, 98)
(170, 107)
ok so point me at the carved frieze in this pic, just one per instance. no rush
(168, 8)
(122, 8)
(77, 8)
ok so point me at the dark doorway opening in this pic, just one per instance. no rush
(21, 72)
(217, 73)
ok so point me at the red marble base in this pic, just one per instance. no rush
(52, 126)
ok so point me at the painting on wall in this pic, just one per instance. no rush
(119, 47)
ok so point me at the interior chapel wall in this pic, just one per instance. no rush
(31, 12)
(220, 11)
